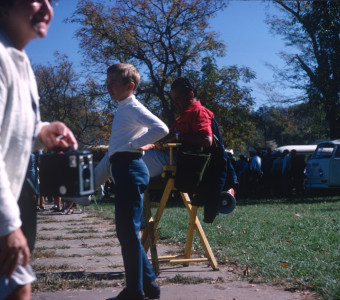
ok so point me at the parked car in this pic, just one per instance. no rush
(323, 168)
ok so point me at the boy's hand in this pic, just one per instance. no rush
(13, 248)
(147, 147)
(159, 146)
(57, 134)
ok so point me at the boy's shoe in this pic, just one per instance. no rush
(152, 290)
(126, 295)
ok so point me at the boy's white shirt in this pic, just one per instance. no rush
(133, 126)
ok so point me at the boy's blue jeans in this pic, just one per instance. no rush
(131, 178)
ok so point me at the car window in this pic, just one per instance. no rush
(324, 151)
(337, 152)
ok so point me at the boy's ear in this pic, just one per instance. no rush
(131, 86)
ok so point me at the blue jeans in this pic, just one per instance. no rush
(131, 178)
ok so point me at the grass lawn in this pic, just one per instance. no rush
(295, 242)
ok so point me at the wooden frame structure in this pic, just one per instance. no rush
(151, 231)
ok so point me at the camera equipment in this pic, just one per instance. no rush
(68, 174)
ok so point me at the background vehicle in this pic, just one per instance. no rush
(305, 150)
(323, 168)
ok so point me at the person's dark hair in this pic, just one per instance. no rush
(183, 84)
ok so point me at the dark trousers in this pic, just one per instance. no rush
(131, 178)
(28, 214)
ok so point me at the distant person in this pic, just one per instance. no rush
(134, 130)
(20, 128)
(298, 166)
(276, 175)
(255, 172)
(286, 173)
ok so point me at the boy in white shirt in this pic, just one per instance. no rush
(134, 130)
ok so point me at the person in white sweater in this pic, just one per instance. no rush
(134, 130)
(21, 132)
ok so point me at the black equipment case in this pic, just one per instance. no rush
(68, 174)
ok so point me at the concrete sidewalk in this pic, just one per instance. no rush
(78, 256)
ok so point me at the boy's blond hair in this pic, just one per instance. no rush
(128, 73)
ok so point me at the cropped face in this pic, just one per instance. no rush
(26, 20)
(181, 100)
(116, 87)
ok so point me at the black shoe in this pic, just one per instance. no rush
(126, 295)
(152, 290)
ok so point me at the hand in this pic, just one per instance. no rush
(159, 146)
(57, 134)
(147, 147)
(13, 248)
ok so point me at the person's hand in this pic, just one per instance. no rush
(159, 146)
(57, 134)
(13, 248)
(147, 147)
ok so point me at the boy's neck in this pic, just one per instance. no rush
(131, 94)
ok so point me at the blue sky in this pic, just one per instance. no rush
(241, 27)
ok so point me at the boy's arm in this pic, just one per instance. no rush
(156, 129)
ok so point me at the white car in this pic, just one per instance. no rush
(323, 168)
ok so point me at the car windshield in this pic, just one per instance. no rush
(324, 151)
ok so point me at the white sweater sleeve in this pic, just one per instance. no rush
(156, 128)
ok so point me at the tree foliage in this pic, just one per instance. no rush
(64, 98)
(162, 38)
(313, 28)
(300, 124)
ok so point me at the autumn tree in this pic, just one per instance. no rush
(65, 98)
(162, 38)
(313, 29)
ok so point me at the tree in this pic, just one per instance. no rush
(298, 124)
(313, 27)
(65, 98)
(163, 38)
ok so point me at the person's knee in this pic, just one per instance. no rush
(22, 292)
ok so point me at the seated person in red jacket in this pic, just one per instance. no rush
(191, 128)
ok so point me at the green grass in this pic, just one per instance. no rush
(295, 242)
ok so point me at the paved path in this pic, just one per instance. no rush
(78, 256)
